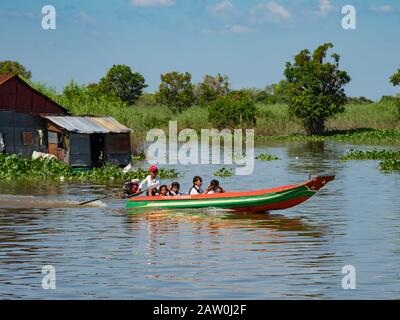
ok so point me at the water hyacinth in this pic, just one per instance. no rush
(371, 155)
(223, 172)
(354, 136)
(266, 157)
(390, 165)
(13, 167)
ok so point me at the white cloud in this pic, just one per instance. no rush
(153, 3)
(387, 8)
(222, 7)
(238, 29)
(325, 6)
(270, 11)
(231, 29)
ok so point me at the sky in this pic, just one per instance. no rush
(250, 41)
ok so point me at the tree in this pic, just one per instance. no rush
(395, 79)
(274, 93)
(316, 90)
(14, 68)
(212, 87)
(121, 82)
(176, 91)
(234, 110)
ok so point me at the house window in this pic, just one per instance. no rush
(27, 138)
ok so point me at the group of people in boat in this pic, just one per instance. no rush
(154, 187)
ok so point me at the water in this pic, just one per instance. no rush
(103, 251)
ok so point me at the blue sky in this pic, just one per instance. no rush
(250, 41)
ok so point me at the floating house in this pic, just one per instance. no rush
(31, 121)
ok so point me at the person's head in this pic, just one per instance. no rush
(163, 190)
(153, 171)
(175, 187)
(197, 181)
(214, 184)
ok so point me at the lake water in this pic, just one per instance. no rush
(103, 251)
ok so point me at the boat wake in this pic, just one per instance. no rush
(19, 201)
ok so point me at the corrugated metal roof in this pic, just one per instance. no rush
(111, 124)
(5, 77)
(89, 124)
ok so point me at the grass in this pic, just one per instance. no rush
(369, 123)
(372, 155)
(362, 135)
(360, 123)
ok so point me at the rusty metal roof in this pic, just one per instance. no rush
(88, 124)
(5, 77)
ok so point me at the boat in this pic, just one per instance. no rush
(249, 201)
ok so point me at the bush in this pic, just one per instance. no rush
(13, 167)
(211, 88)
(176, 91)
(232, 111)
(121, 82)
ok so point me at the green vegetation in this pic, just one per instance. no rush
(13, 167)
(369, 123)
(176, 91)
(235, 110)
(395, 78)
(372, 155)
(211, 104)
(14, 68)
(266, 157)
(316, 88)
(276, 93)
(372, 136)
(139, 157)
(390, 165)
(211, 88)
(121, 82)
(391, 158)
(223, 172)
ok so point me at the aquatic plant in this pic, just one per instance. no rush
(13, 167)
(223, 172)
(371, 155)
(355, 136)
(139, 157)
(266, 157)
(390, 165)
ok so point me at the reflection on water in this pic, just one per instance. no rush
(103, 251)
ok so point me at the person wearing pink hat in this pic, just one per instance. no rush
(152, 182)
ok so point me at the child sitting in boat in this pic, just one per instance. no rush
(152, 182)
(214, 187)
(174, 190)
(196, 188)
(164, 191)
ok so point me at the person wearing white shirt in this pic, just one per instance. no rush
(196, 188)
(151, 181)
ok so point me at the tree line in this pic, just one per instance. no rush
(313, 90)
